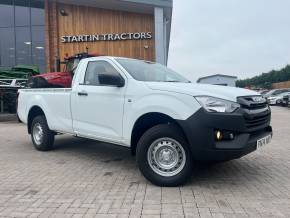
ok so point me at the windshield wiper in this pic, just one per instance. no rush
(176, 81)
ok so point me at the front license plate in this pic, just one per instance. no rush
(264, 141)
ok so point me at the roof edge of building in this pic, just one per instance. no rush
(223, 75)
(161, 3)
(151, 3)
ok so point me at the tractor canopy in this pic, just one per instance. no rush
(19, 72)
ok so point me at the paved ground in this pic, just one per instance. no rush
(86, 179)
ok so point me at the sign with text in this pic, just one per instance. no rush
(106, 37)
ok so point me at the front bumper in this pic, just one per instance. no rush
(247, 128)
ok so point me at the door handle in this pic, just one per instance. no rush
(82, 94)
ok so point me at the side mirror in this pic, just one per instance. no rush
(111, 80)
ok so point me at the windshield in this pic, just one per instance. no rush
(150, 72)
(283, 94)
(270, 92)
(276, 92)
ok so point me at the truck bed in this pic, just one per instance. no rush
(47, 90)
(54, 101)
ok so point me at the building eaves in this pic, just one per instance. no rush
(216, 75)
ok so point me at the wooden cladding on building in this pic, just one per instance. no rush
(281, 85)
(82, 20)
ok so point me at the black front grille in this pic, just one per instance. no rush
(256, 106)
(258, 121)
(256, 112)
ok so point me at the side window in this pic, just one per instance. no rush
(95, 68)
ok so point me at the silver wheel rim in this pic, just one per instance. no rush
(37, 133)
(166, 157)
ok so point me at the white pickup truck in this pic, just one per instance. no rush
(164, 119)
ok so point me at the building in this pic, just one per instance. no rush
(281, 85)
(219, 79)
(39, 32)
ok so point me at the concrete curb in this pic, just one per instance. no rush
(8, 117)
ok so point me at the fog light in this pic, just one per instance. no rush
(224, 135)
(218, 135)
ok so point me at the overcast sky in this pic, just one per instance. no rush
(234, 37)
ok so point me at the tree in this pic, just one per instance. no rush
(265, 80)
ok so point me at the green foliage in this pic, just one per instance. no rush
(265, 80)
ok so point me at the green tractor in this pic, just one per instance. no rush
(19, 72)
(10, 81)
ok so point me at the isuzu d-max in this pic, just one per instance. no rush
(167, 121)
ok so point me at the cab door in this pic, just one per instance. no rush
(97, 105)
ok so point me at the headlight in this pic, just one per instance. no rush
(212, 104)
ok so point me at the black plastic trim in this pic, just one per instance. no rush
(201, 126)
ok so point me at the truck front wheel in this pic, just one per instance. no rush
(163, 156)
(42, 137)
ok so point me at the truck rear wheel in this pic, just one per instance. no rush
(42, 137)
(163, 156)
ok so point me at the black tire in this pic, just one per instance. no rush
(47, 139)
(159, 132)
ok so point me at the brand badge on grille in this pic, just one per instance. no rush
(258, 99)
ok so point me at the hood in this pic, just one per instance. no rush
(276, 97)
(194, 89)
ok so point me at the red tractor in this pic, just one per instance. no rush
(59, 79)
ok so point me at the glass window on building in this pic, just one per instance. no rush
(38, 45)
(7, 47)
(6, 13)
(22, 13)
(22, 38)
(37, 12)
(23, 45)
